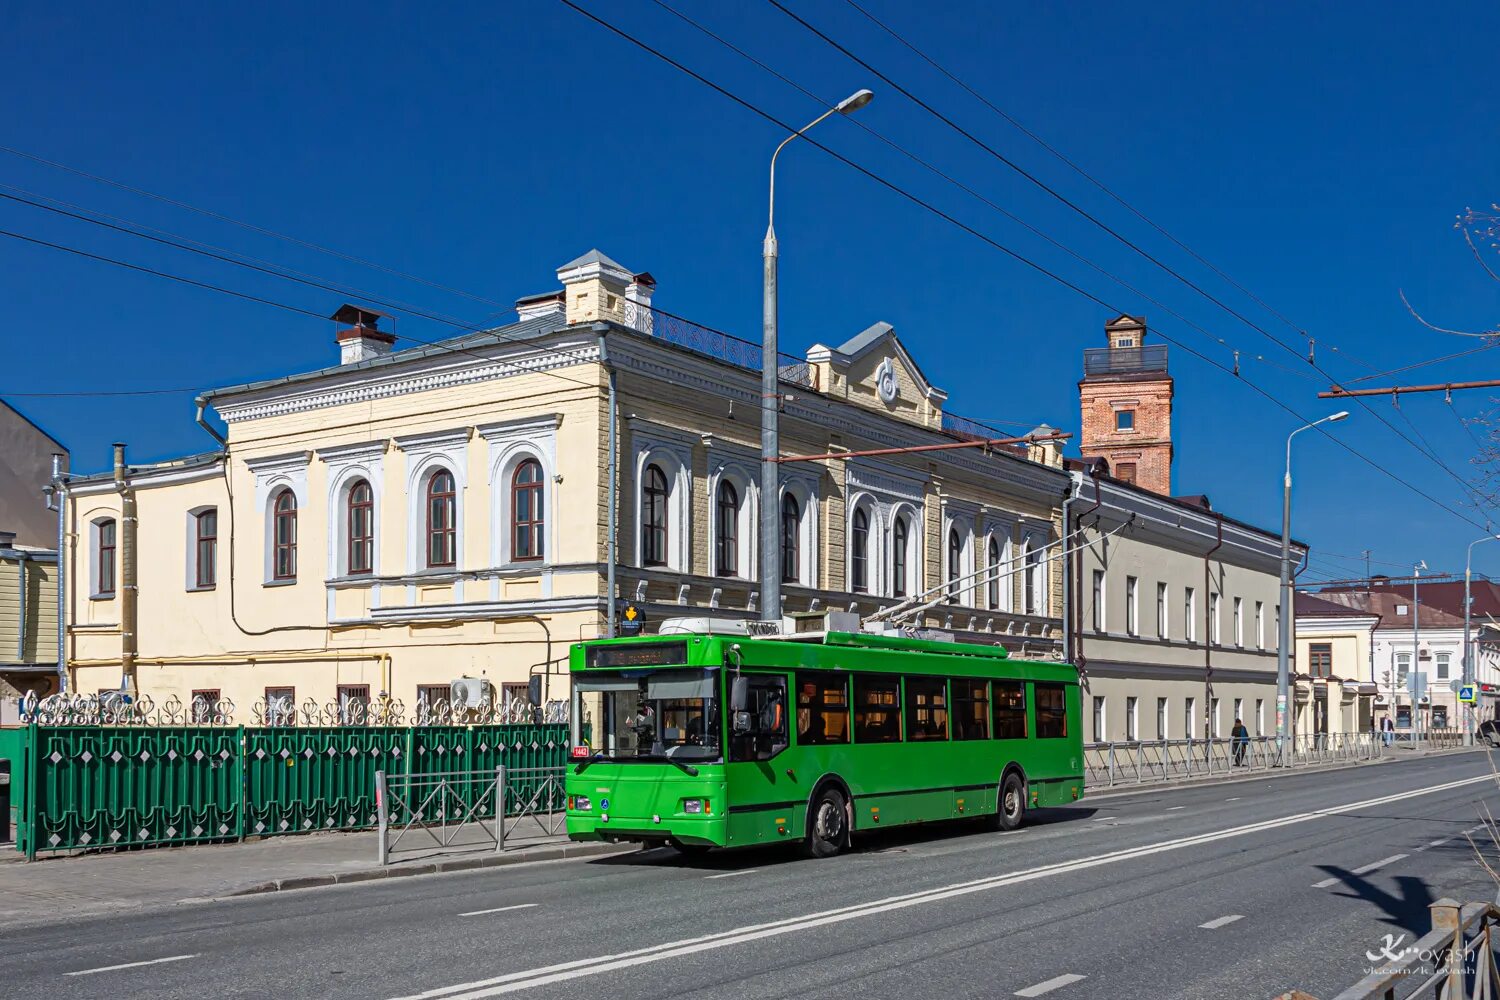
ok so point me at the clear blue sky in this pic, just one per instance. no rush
(1318, 154)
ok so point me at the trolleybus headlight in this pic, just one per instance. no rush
(580, 803)
(692, 807)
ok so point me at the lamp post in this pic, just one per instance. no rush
(1416, 683)
(770, 398)
(1468, 671)
(1284, 638)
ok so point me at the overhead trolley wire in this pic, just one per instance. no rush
(1013, 254)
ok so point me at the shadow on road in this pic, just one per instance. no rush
(1406, 908)
(896, 840)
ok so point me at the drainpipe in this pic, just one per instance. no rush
(200, 402)
(612, 474)
(1208, 641)
(128, 624)
(59, 496)
(21, 626)
(1080, 659)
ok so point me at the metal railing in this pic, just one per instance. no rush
(1138, 762)
(713, 343)
(115, 710)
(1124, 360)
(1455, 961)
(467, 809)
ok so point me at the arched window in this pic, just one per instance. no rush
(791, 525)
(727, 545)
(206, 536)
(995, 574)
(899, 533)
(104, 558)
(442, 530)
(526, 516)
(654, 517)
(955, 562)
(361, 539)
(1034, 597)
(859, 555)
(284, 536)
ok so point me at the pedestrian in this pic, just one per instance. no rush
(1388, 730)
(1240, 739)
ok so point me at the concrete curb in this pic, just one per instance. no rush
(529, 855)
(1230, 779)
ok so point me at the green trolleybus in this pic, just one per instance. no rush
(711, 740)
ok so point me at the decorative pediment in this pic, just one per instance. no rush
(875, 370)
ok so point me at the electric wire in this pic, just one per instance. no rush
(1020, 258)
(1126, 241)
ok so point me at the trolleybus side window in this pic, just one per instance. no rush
(926, 708)
(759, 724)
(971, 710)
(1051, 711)
(1010, 710)
(877, 709)
(822, 708)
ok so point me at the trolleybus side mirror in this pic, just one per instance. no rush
(739, 695)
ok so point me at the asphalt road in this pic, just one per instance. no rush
(1232, 890)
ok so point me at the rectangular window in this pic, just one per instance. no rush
(1260, 624)
(971, 710)
(354, 704)
(1189, 614)
(1260, 717)
(1213, 619)
(1162, 630)
(204, 707)
(515, 693)
(206, 555)
(1442, 665)
(281, 706)
(1239, 711)
(926, 709)
(105, 559)
(767, 710)
(1098, 600)
(877, 709)
(1100, 721)
(1010, 710)
(1213, 717)
(1190, 718)
(431, 696)
(1320, 659)
(1051, 711)
(1124, 420)
(822, 708)
(1239, 621)
(1161, 718)
(1403, 667)
(1132, 606)
(1132, 718)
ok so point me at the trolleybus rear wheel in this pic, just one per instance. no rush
(1011, 808)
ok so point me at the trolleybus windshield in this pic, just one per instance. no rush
(654, 715)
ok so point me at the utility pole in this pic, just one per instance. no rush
(1412, 680)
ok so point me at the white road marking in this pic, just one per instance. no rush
(130, 965)
(594, 965)
(499, 909)
(1215, 924)
(747, 871)
(1056, 982)
(1439, 843)
(1367, 869)
(1175, 808)
(1234, 798)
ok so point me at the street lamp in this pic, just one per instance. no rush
(1468, 709)
(770, 444)
(1284, 638)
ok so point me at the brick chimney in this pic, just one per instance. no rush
(595, 288)
(359, 340)
(537, 306)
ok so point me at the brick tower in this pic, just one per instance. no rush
(1126, 400)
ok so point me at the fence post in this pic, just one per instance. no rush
(382, 816)
(499, 808)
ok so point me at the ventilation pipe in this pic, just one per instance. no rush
(129, 644)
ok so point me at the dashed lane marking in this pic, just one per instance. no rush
(747, 871)
(1218, 922)
(1367, 869)
(499, 909)
(131, 965)
(1055, 983)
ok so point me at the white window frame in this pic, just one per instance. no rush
(1442, 666)
(1101, 602)
(425, 455)
(875, 571)
(676, 466)
(1214, 634)
(95, 520)
(1239, 622)
(747, 521)
(1035, 542)
(1260, 624)
(1217, 729)
(1190, 614)
(1190, 717)
(1132, 718)
(1239, 709)
(1132, 606)
(190, 564)
(274, 473)
(510, 443)
(968, 591)
(1101, 719)
(805, 491)
(347, 464)
(1163, 720)
(1163, 612)
(1260, 717)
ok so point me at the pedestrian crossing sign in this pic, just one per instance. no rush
(1466, 694)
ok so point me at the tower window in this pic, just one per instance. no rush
(1124, 420)
(1125, 472)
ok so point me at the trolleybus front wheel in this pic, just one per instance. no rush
(827, 825)
(1011, 808)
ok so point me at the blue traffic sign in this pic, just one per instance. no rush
(1466, 694)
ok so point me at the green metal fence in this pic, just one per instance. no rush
(93, 786)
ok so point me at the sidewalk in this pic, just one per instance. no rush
(55, 889)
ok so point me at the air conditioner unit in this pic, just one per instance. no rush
(468, 692)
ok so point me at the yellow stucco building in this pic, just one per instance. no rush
(407, 518)
(1333, 690)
